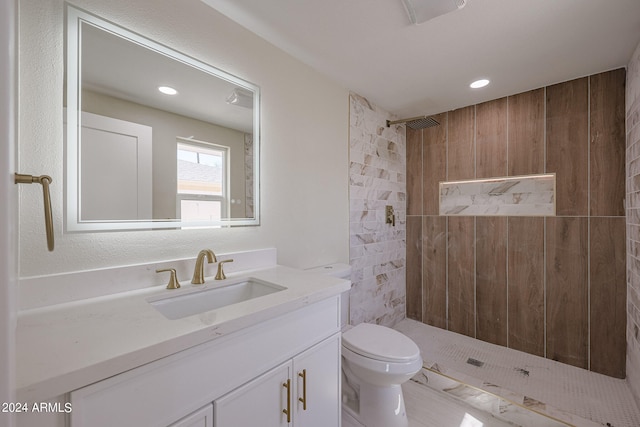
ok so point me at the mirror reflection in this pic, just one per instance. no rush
(155, 139)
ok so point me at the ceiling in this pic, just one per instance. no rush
(371, 47)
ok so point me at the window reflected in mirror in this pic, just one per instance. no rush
(202, 177)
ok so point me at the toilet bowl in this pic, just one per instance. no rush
(376, 361)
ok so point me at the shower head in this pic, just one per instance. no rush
(416, 123)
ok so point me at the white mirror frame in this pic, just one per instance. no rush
(75, 18)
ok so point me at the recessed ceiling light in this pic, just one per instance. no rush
(479, 83)
(167, 90)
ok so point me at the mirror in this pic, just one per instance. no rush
(154, 138)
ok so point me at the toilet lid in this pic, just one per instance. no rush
(380, 343)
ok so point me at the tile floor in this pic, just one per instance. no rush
(429, 408)
(568, 395)
(435, 400)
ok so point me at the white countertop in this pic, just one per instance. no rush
(64, 347)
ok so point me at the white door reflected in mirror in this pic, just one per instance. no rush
(115, 170)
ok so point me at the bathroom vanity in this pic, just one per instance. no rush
(113, 346)
(273, 360)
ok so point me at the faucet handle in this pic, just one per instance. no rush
(173, 280)
(220, 275)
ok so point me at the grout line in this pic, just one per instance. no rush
(589, 223)
(446, 150)
(544, 285)
(475, 226)
(544, 250)
(507, 166)
(475, 277)
(507, 278)
(544, 134)
(507, 237)
(422, 224)
(475, 146)
(446, 272)
(446, 229)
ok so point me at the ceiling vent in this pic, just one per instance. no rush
(420, 11)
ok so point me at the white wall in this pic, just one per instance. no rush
(304, 176)
(8, 195)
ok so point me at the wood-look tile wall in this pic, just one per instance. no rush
(554, 287)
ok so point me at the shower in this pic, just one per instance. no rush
(416, 123)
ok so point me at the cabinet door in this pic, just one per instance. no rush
(258, 403)
(201, 418)
(317, 376)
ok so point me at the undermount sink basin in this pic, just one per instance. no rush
(198, 301)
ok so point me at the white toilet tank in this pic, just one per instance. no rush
(343, 271)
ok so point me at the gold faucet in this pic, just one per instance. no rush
(198, 272)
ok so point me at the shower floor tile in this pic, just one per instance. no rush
(572, 395)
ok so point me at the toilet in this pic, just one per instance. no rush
(376, 361)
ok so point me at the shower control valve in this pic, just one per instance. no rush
(390, 216)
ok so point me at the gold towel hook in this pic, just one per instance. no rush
(44, 180)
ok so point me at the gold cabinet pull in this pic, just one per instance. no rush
(287, 411)
(303, 399)
(44, 180)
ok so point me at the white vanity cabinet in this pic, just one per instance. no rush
(238, 377)
(200, 418)
(258, 403)
(300, 392)
(321, 366)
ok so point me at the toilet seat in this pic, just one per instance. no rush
(380, 343)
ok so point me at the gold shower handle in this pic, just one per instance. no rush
(44, 180)
(389, 215)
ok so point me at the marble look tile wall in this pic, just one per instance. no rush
(532, 195)
(633, 222)
(377, 250)
(249, 211)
